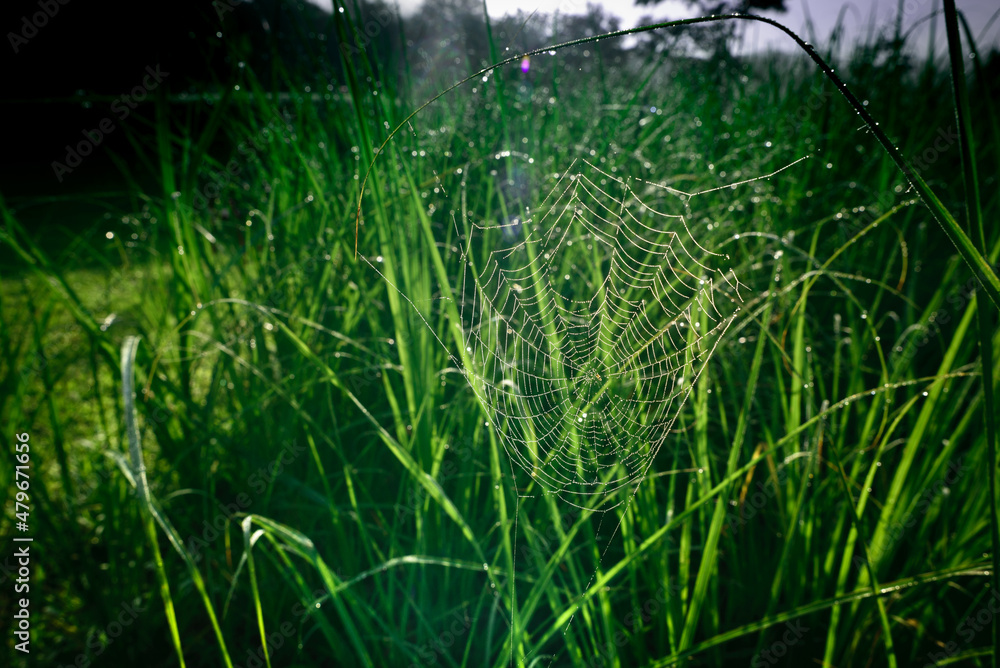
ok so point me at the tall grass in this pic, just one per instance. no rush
(320, 478)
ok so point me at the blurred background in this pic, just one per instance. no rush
(258, 191)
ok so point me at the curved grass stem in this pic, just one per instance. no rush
(982, 270)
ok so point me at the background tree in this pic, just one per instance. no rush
(715, 38)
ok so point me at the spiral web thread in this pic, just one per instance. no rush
(585, 391)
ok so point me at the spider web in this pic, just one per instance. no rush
(587, 326)
(586, 322)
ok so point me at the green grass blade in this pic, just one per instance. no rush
(986, 315)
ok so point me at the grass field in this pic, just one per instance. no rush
(250, 427)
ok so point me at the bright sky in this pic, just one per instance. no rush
(859, 15)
